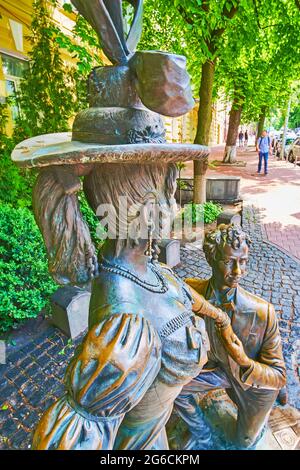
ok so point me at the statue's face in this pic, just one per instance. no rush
(230, 266)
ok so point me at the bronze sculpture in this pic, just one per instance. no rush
(246, 359)
(144, 342)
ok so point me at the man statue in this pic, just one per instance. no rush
(244, 359)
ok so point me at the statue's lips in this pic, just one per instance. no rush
(59, 149)
(234, 280)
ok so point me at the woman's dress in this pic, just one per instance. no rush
(124, 378)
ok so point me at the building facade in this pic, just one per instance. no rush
(15, 20)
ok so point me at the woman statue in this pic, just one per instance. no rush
(144, 342)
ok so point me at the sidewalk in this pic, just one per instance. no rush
(277, 195)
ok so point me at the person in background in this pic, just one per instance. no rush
(246, 138)
(263, 147)
(241, 138)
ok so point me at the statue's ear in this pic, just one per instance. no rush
(135, 31)
(107, 26)
(115, 11)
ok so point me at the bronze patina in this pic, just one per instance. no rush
(245, 356)
(144, 342)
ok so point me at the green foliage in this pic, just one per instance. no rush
(193, 28)
(260, 59)
(253, 44)
(25, 284)
(295, 118)
(15, 184)
(91, 219)
(50, 94)
(199, 213)
(3, 118)
(46, 96)
(83, 46)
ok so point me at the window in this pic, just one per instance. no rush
(14, 70)
(13, 66)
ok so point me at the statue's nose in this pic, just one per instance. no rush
(236, 268)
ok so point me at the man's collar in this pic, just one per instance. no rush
(225, 299)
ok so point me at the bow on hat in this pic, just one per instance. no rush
(162, 81)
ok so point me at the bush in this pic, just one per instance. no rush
(25, 284)
(15, 184)
(92, 221)
(207, 212)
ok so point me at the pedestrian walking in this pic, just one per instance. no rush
(246, 138)
(241, 138)
(263, 147)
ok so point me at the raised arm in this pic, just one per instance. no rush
(268, 371)
(203, 308)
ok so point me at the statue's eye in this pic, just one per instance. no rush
(227, 261)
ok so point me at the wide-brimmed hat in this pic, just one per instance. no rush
(59, 149)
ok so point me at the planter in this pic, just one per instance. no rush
(218, 188)
(223, 189)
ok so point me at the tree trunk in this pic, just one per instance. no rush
(203, 128)
(261, 122)
(233, 130)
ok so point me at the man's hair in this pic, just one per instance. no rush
(216, 239)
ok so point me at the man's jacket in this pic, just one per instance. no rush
(254, 322)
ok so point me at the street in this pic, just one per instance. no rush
(277, 195)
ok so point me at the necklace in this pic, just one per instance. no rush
(187, 296)
(160, 288)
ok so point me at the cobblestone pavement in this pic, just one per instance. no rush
(32, 378)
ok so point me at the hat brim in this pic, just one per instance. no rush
(59, 149)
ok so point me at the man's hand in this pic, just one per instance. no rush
(234, 347)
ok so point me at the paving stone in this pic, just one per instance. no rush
(29, 389)
(35, 400)
(51, 368)
(19, 381)
(4, 415)
(13, 372)
(10, 427)
(19, 437)
(47, 402)
(43, 359)
(6, 393)
(29, 347)
(46, 335)
(16, 356)
(33, 369)
(26, 361)
(3, 381)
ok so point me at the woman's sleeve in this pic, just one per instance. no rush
(111, 371)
